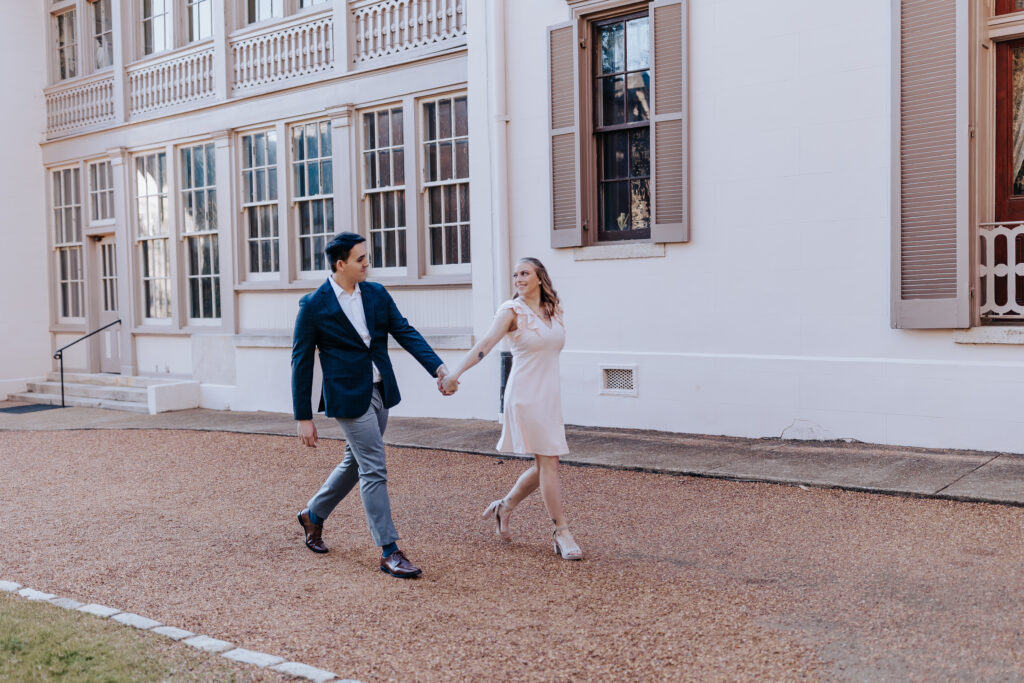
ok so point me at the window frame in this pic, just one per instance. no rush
(93, 36)
(62, 245)
(56, 13)
(279, 204)
(365, 192)
(207, 235)
(100, 195)
(167, 237)
(424, 185)
(295, 200)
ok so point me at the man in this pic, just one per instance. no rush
(348, 320)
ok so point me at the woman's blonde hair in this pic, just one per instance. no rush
(548, 295)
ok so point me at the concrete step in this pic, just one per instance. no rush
(81, 402)
(108, 380)
(100, 391)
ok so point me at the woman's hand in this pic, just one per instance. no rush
(449, 385)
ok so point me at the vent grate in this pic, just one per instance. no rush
(619, 380)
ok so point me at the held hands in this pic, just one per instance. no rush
(446, 384)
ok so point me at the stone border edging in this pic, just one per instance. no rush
(200, 642)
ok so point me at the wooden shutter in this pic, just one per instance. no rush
(930, 274)
(563, 122)
(669, 122)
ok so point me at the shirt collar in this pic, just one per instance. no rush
(338, 291)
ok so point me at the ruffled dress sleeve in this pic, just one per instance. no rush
(526, 319)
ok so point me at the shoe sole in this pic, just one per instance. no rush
(400, 576)
(318, 552)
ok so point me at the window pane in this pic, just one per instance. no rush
(612, 42)
(430, 109)
(383, 129)
(638, 50)
(638, 100)
(399, 167)
(612, 106)
(639, 152)
(435, 205)
(463, 202)
(369, 131)
(462, 159)
(444, 119)
(614, 206)
(385, 168)
(461, 117)
(640, 204)
(446, 160)
(436, 252)
(327, 177)
(613, 155)
(432, 162)
(370, 170)
(397, 131)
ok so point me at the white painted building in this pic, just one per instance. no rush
(792, 218)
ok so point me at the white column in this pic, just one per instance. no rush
(223, 21)
(342, 37)
(343, 166)
(127, 304)
(121, 24)
(226, 230)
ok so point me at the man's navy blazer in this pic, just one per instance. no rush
(344, 357)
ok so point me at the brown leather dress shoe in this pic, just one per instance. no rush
(313, 532)
(397, 564)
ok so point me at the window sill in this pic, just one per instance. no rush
(390, 283)
(603, 252)
(990, 335)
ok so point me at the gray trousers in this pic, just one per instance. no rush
(364, 462)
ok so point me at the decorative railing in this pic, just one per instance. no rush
(80, 106)
(283, 53)
(388, 27)
(183, 78)
(1001, 271)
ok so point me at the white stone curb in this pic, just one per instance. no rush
(129, 619)
(222, 647)
(305, 671)
(209, 644)
(260, 659)
(173, 633)
(99, 610)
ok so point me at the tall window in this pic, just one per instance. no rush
(101, 192)
(153, 233)
(622, 127)
(67, 222)
(384, 183)
(446, 154)
(156, 26)
(259, 10)
(259, 201)
(67, 43)
(102, 33)
(200, 19)
(199, 212)
(313, 186)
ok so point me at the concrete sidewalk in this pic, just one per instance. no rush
(956, 475)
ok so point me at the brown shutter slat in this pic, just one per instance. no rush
(930, 269)
(669, 122)
(564, 132)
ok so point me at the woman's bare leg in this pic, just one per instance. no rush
(526, 484)
(550, 487)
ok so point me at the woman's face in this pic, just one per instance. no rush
(525, 279)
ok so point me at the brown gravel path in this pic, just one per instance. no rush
(684, 579)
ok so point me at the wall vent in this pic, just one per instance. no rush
(619, 380)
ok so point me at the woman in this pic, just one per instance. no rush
(533, 403)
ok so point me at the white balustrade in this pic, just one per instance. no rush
(80, 106)
(1001, 270)
(283, 52)
(182, 78)
(388, 27)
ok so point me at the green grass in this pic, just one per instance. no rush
(42, 642)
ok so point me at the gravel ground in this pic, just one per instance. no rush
(685, 578)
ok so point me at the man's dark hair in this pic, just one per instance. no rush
(339, 247)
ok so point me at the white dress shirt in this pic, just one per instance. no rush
(352, 305)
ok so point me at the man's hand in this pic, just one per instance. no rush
(307, 433)
(442, 372)
(448, 386)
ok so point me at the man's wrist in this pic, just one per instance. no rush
(441, 371)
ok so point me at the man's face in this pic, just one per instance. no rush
(355, 268)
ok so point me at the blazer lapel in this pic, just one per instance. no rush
(330, 304)
(364, 293)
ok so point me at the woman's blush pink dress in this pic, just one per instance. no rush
(533, 395)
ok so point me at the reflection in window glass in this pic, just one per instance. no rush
(260, 10)
(384, 186)
(200, 19)
(259, 201)
(153, 233)
(103, 33)
(156, 26)
(622, 90)
(67, 60)
(313, 186)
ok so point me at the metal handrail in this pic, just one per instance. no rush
(59, 354)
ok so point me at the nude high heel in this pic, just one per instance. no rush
(565, 546)
(500, 509)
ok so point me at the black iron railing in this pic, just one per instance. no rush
(59, 354)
